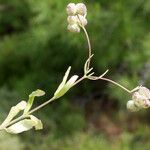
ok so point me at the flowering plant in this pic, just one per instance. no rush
(77, 20)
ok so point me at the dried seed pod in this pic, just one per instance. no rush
(72, 20)
(81, 9)
(74, 28)
(131, 106)
(141, 97)
(71, 9)
(82, 20)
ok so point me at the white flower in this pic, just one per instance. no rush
(65, 85)
(71, 9)
(73, 28)
(81, 9)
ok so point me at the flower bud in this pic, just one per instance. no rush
(81, 9)
(72, 19)
(71, 9)
(74, 28)
(82, 20)
(131, 106)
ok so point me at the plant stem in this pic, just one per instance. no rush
(82, 78)
(53, 98)
(30, 112)
(89, 45)
(79, 80)
(90, 53)
(15, 120)
(42, 105)
(115, 83)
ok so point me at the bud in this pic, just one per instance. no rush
(74, 28)
(71, 9)
(131, 106)
(72, 19)
(81, 9)
(82, 20)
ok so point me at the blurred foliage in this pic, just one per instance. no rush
(36, 50)
(6, 140)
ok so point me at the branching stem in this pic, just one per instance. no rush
(115, 83)
(87, 75)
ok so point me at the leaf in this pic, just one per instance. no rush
(38, 122)
(63, 81)
(37, 93)
(71, 81)
(21, 126)
(34, 94)
(13, 112)
(65, 85)
(25, 125)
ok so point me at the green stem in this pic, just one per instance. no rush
(89, 45)
(82, 78)
(115, 83)
(88, 41)
(42, 105)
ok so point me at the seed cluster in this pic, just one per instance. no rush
(76, 16)
(140, 99)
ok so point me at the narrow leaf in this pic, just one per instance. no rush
(13, 112)
(21, 126)
(34, 94)
(25, 125)
(63, 81)
(38, 123)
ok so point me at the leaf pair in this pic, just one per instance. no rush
(25, 125)
(28, 122)
(65, 85)
(34, 94)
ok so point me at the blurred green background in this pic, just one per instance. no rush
(35, 51)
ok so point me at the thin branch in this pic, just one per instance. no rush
(89, 45)
(42, 105)
(115, 83)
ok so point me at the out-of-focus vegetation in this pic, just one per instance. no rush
(36, 50)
